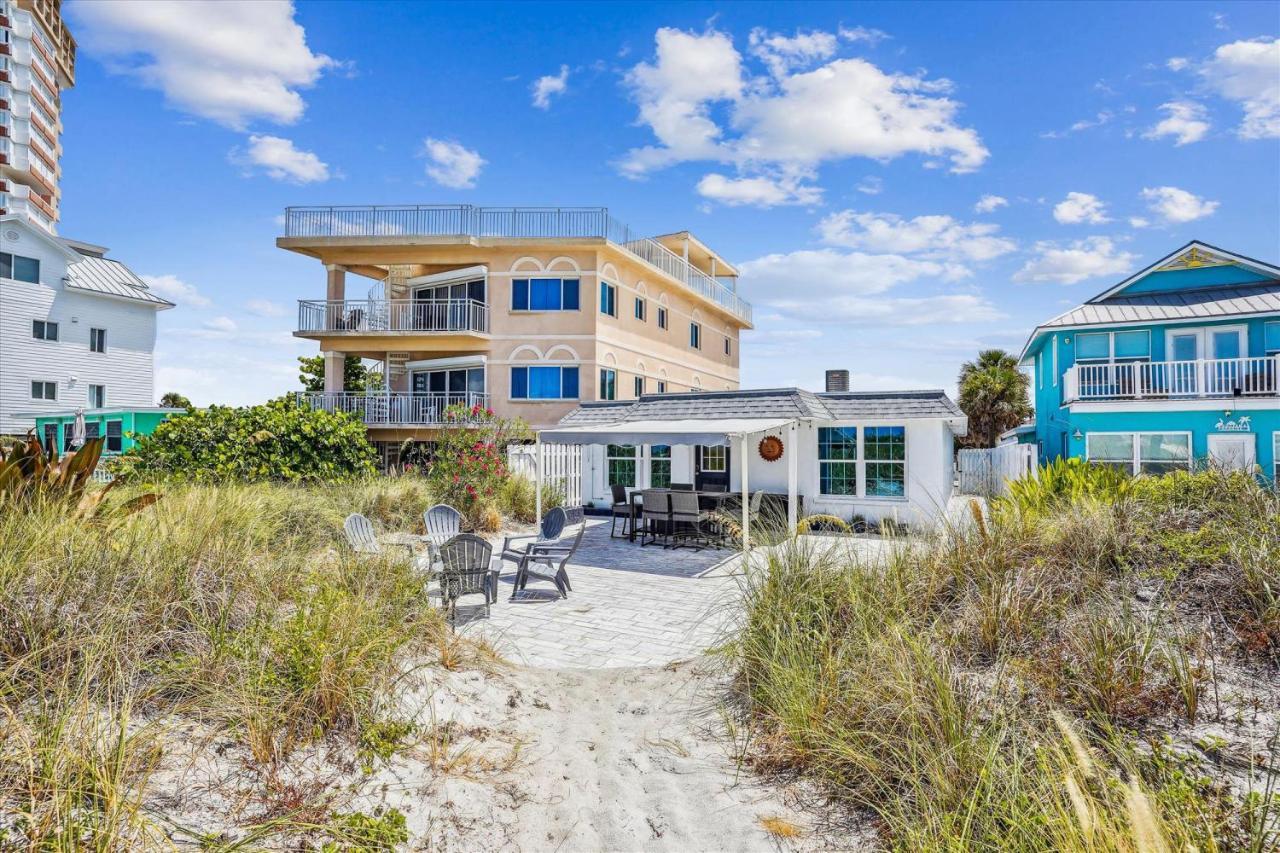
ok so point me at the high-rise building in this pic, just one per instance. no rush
(37, 61)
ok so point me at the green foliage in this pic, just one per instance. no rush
(280, 440)
(30, 476)
(357, 832)
(993, 393)
(355, 376)
(174, 400)
(470, 465)
(1065, 481)
(516, 499)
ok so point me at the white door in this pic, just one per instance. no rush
(1233, 452)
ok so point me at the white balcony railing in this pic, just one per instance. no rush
(1165, 380)
(464, 220)
(395, 409)
(395, 315)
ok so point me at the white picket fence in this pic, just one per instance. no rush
(561, 467)
(988, 471)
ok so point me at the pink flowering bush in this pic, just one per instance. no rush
(470, 464)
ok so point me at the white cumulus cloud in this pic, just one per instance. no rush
(1177, 205)
(1185, 121)
(784, 53)
(1248, 72)
(758, 191)
(934, 236)
(990, 203)
(280, 159)
(1079, 208)
(544, 88)
(450, 164)
(265, 308)
(1075, 262)
(176, 290)
(231, 61)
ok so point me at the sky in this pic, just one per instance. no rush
(901, 185)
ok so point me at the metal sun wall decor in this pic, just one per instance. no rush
(770, 448)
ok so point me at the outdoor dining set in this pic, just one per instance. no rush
(464, 563)
(677, 516)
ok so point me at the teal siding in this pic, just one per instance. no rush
(1167, 280)
(132, 422)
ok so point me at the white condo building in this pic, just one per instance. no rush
(77, 329)
(37, 61)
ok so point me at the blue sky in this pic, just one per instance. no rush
(839, 153)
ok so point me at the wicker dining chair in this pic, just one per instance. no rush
(688, 519)
(621, 508)
(655, 513)
(464, 561)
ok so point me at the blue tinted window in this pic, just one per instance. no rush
(1133, 345)
(569, 378)
(1093, 346)
(608, 299)
(544, 383)
(520, 294)
(571, 294)
(519, 383)
(544, 294)
(1271, 336)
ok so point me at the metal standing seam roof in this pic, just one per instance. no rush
(102, 275)
(790, 403)
(1199, 304)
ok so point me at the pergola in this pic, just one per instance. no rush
(722, 431)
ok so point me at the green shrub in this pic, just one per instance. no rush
(357, 832)
(1065, 481)
(516, 499)
(470, 462)
(282, 440)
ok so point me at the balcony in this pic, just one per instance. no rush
(375, 316)
(1173, 380)
(391, 409)
(466, 222)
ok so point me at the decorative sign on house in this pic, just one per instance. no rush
(770, 448)
(1240, 424)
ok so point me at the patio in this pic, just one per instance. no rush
(630, 605)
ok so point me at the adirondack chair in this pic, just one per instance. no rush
(464, 561)
(364, 540)
(554, 557)
(548, 533)
(442, 522)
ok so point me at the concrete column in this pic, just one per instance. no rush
(336, 276)
(334, 366)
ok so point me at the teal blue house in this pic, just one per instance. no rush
(1177, 364)
(119, 427)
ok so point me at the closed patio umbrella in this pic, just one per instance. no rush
(78, 430)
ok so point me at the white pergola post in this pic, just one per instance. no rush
(537, 476)
(793, 470)
(746, 497)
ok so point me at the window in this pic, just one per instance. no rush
(660, 466)
(715, 459)
(639, 385)
(97, 340)
(115, 436)
(1113, 346)
(726, 346)
(97, 396)
(454, 385)
(608, 384)
(43, 330)
(641, 309)
(50, 438)
(884, 451)
(41, 390)
(544, 294)
(662, 387)
(1271, 338)
(662, 317)
(544, 383)
(620, 462)
(695, 336)
(19, 268)
(90, 431)
(838, 460)
(1140, 452)
(608, 299)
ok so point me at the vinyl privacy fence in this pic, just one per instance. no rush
(988, 471)
(561, 467)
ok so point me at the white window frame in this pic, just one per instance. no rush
(662, 386)
(650, 460)
(45, 385)
(860, 463)
(722, 452)
(1204, 337)
(612, 290)
(1135, 464)
(634, 458)
(612, 374)
(44, 327)
(89, 396)
(529, 277)
(1111, 347)
(1265, 326)
(1055, 359)
(641, 309)
(637, 385)
(662, 317)
(101, 333)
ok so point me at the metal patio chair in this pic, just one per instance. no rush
(464, 562)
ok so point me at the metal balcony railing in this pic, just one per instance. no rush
(395, 315)
(1143, 380)
(396, 409)
(466, 221)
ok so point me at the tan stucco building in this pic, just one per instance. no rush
(529, 311)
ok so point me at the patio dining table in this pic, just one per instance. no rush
(710, 501)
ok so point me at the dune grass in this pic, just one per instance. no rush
(232, 607)
(1007, 685)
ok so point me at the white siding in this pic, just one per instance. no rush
(127, 368)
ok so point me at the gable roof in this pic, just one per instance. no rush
(111, 278)
(12, 220)
(789, 403)
(1115, 306)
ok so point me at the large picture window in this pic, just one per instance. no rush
(1113, 346)
(620, 461)
(1140, 452)
(838, 460)
(19, 268)
(660, 466)
(884, 451)
(544, 383)
(544, 294)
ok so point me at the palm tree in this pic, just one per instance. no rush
(993, 393)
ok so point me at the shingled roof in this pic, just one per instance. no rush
(768, 403)
(1203, 303)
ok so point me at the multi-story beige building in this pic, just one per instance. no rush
(37, 61)
(528, 311)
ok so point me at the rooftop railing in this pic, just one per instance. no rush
(467, 221)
